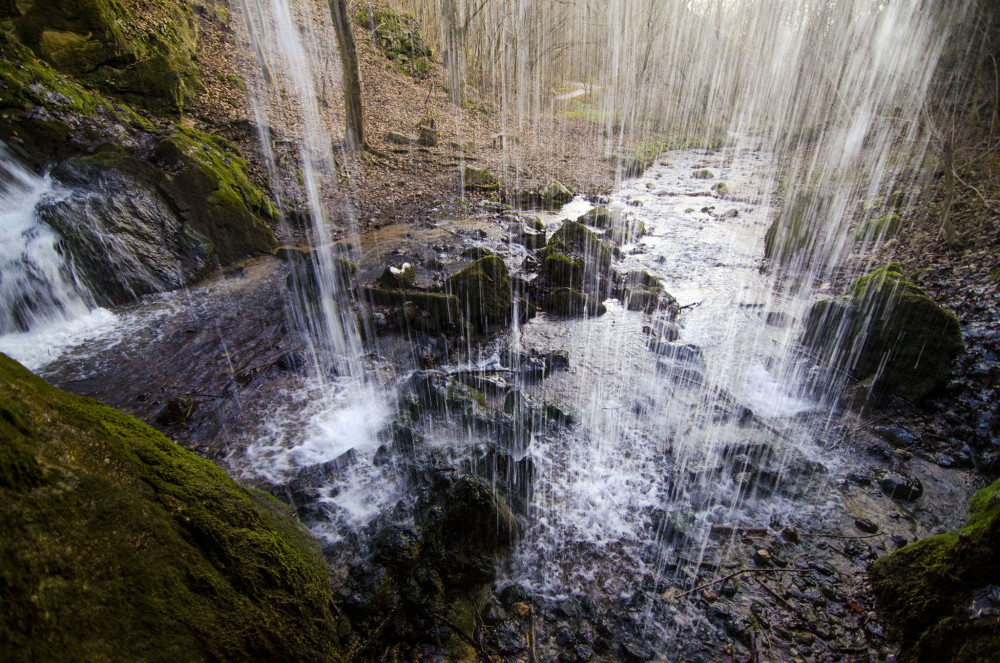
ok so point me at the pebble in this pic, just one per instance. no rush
(866, 525)
(762, 557)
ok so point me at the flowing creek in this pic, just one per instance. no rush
(660, 463)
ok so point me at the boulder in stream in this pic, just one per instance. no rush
(484, 291)
(886, 330)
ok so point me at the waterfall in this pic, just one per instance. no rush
(44, 305)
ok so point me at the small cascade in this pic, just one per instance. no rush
(43, 304)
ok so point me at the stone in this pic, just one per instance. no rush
(703, 174)
(398, 278)
(899, 485)
(568, 302)
(896, 435)
(478, 178)
(762, 557)
(398, 138)
(866, 525)
(907, 351)
(484, 291)
(554, 195)
(599, 217)
(170, 539)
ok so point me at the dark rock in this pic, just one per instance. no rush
(899, 484)
(634, 653)
(896, 435)
(572, 303)
(398, 278)
(509, 637)
(866, 525)
(484, 291)
(908, 352)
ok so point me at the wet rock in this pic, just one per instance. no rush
(907, 353)
(790, 534)
(599, 217)
(509, 637)
(762, 557)
(896, 435)
(476, 252)
(576, 241)
(291, 361)
(632, 652)
(398, 278)
(555, 194)
(304, 277)
(484, 291)
(177, 411)
(430, 312)
(572, 303)
(899, 485)
(866, 525)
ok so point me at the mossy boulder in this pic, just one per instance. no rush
(484, 290)
(568, 302)
(793, 234)
(575, 240)
(555, 194)
(703, 174)
(102, 44)
(479, 178)
(599, 217)
(432, 312)
(562, 271)
(208, 181)
(401, 277)
(887, 330)
(117, 544)
(880, 229)
(641, 291)
(48, 117)
(931, 592)
(420, 572)
(399, 37)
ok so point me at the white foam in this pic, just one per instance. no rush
(37, 348)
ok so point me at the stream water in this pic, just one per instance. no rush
(673, 433)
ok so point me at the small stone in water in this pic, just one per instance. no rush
(866, 525)
(790, 534)
(762, 557)
(521, 610)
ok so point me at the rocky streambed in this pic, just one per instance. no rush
(584, 434)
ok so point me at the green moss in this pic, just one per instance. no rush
(793, 233)
(210, 183)
(888, 328)
(400, 39)
(438, 312)
(883, 228)
(102, 44)
(478, 178)
(926, 589)
(561, 270)
(703, 174)
(484, 291)
(569, 302)
(576, 240)
(116, 544)
(599, 217)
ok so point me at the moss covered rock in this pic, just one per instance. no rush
(931, 592)
(433, 312)
(484, 291)
(101, 43)
(568, 302)
(209, 183)
(886, 330)
(575, 240)
(479, 178)
(48, 117)
(400, 39)
(793, 233)
(116, 544)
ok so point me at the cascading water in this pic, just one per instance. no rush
(43, 305)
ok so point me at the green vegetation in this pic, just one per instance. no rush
(888, 329)
(427, 311)
(211, 183)
(116, 544)
(478, 178)
(793, 234)
(484, 290)
(927, 589)
(400, 38)
(576, 240)
(101, 43)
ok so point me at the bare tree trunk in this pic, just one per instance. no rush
(355, 133)
(454, 54)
